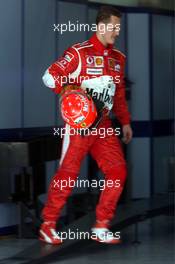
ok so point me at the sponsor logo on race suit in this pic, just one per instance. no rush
(113, 64)
(95, 61)
(101, 88)
(117, 67)
(94, 71)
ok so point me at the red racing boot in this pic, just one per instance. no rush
(48, 233)
(101, 233)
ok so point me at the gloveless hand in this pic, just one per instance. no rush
(127, 133)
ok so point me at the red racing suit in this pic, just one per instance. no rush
(100, 71)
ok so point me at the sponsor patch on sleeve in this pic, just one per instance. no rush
(62, 63)
(69, 56)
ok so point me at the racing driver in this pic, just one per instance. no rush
(103, 66)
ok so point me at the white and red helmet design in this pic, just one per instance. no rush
(78, 109)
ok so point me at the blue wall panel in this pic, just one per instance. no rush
(39, 51)
(139, 160)
(10, 64)
(138, 72)
(138, 64)
(163, 152)
(163, 71)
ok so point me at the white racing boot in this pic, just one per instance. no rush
(101, 233)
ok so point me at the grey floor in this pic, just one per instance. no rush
(156, 246)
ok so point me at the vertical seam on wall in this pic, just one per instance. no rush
(150, 30)
(173, 64)
(126, 53)
(22, 62)
(173, 81)
(126, 40)
(88, 158)
(87, 19)
(126, 49)
(56, 55)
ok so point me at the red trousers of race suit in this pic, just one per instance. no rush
(108, 153)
